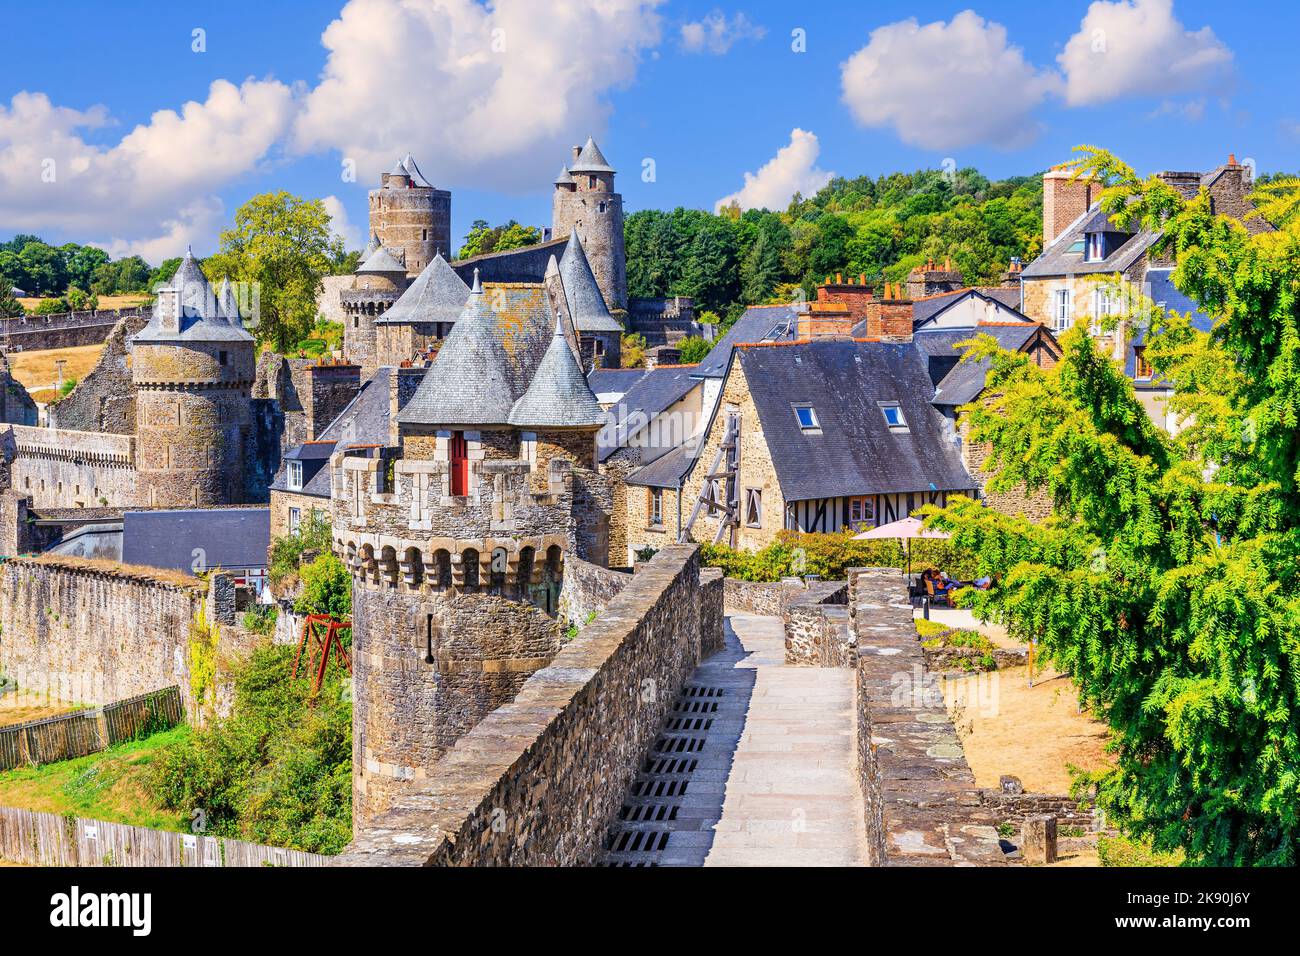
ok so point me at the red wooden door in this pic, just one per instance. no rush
(459, 464)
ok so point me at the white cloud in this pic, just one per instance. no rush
(493, 97)
(150, 193)
(1139, 48)
(944, 85)
(793, 169)
(340, 224)
(715, 33)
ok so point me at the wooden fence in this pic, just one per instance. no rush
(88, 731)
(47, 839)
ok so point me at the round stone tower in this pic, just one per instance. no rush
(585, 199)
(193, 367)
(408, 214)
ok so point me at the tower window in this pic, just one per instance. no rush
(222, 357)
(424, 235)
(602, 207)
(591, 182)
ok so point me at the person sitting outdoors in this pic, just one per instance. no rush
(937, 585)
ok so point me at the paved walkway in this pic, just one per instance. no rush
(755, 765)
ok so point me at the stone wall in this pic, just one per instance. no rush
(93, 632)
(17, 407)
(760, 597)
(587, 588)
(103, 401)
(816, 622)
(922, 805)
(19, 533)
(538, 781)
(60, 468)
(1018, 807)
(63, 330)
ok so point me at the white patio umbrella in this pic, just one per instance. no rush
(905, 529)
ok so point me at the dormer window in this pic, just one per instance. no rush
(293, 475)
(893, 413)
(807, 416)
(1096, 250)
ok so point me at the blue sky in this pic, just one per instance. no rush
(489, 98)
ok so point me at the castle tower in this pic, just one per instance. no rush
(408, 214)
(585, 200)
(379, 282)
(193, 367)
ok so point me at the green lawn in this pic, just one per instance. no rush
(109, 785)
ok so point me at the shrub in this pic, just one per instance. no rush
(261, 619)
(326, 588)
(829, 556)
(278, 770)
(313, 534)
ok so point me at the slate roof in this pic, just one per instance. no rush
(856, 452)
(613, 381)
(941, 356)
(564, 178)
(371, 247)
(587, 307)
(488, 360)
(655, 391)
(381, 261)
(412, 170)
(232, 538)
(931, 307)
(363, 421)
(758, 323)
(1057, 260)
(591, 160)
(436, 295)
(204, 317)
(558, 396)
(91, 541)
(668, 470)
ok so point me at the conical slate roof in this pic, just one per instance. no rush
(412, 170)
(587, 306)
(371, 247)
(559, 396)
(564, 178)
(381, 260)
(436, 295)
(204, 317)
(487, 361)
(591, 160)
(399, 170)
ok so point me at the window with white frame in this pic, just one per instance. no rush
(656, 507)
(1063, 310)
(753, 507)
(1103, 304)
(295, 519)
(1096, 247)
(528, 448)
(294, 475)
(893, 416)
(862, 513)
(807, 416)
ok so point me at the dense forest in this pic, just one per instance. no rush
(881, 227)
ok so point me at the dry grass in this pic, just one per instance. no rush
(1034, 733)
(37, 372)
(105, 302)
(116, 569)
(13, 710)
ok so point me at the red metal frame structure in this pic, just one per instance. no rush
(323, 632)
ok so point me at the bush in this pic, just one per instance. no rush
(313, 534)
(829, 556)
(261, 619)
(326, 588)
(278, 770)
(693, 349)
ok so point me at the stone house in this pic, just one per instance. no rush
(1091, 269)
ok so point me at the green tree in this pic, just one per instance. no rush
(693, 349)
(282, 246)
(1168, 584)
(326, 588)
(483, 238)
(44, 268)
(81, 263)
(9, 306)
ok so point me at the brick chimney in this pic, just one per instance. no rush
(931, 279)
(827, 320)
(1065, 199)
(853, 295)
(889, 318)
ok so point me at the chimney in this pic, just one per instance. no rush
(826, 320)
(577, 151)
(854, 296)
(890, 318)
(1065, 199)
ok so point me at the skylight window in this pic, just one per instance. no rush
(893, 415)
(807, 416)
